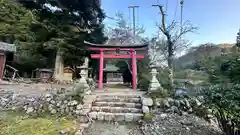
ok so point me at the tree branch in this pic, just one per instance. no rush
(163, 18)
(172, 26)
(185, 29)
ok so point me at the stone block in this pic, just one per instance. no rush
(78, 112)
(145, 109)
(170, 101)
(147, 101)
(85, 125)
(135, 110)
(100, 115)
(85, 111)
(163, 115)
(88, 98)
(29, 110)
(137, 116)
(52, 102)
(108, 116)
(93, 115)
(96, 108)
(119, 117)
(83, 119)
(53, 111)
(72, 103)
(132, 105)
(79, 106)
(67, 110)
(128, 117)
(87, 105)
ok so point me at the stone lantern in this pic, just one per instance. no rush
(84, 75)
(154, 83)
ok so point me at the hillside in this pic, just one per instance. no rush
(204, 50)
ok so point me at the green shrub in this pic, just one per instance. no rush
(161, 93)
(144, 81)
(224, 100)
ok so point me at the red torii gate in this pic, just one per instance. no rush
(101, 56)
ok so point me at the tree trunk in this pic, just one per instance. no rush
(59, 65)
(170, 65)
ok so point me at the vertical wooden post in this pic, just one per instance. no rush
(100, 83)
(2, 64)
(134, 69)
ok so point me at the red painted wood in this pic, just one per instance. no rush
(112, 56)
(2, 64)
(100, 81)
(134, 70)
(114, 49)
(101, 56)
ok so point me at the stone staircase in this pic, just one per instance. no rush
(116, 105)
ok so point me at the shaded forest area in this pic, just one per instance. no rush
(41, 32)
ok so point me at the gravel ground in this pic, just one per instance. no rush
(173, 124)
(105, 128)
(30, 89)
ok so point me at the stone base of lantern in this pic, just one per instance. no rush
(82, 83)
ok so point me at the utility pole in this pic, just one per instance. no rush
(134, 29)
(181, 3)
(238, 41)
(134, 21)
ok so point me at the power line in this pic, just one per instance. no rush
(137, 16)
(129, 17)
(111, 18)
(166, 6)
(176, 8)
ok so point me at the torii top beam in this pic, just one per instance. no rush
(114, 47)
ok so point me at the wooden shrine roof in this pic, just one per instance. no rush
(111, 68)
(116, 46)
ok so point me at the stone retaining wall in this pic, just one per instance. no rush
(60, 103)
(184, 106)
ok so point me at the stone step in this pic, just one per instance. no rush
(117, 104)
(128, 117)
(116, 90)
(123, 95)
(118, 99)
(116, 109)
(118, 94)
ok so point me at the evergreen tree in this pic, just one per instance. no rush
(42, 29)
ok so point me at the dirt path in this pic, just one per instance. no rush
(105, 128)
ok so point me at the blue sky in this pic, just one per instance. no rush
(218, 20)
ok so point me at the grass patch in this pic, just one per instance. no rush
(12, 124)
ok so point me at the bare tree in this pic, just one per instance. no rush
(122, 32)
(156, 51)
(173, 34)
